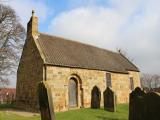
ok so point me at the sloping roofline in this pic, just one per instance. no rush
(56, 49)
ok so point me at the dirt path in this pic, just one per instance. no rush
(21, 113)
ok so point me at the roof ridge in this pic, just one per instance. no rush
(62, 38)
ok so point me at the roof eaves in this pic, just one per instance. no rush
(39, 48)
(67, 66)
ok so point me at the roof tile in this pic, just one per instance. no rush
(61, 52)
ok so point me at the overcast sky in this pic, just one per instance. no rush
(133, 25)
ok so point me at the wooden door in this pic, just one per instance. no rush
(73, 93)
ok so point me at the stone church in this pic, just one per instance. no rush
(70, 70)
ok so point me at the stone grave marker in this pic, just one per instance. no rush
(152, 106)
(109, 100)
(136, 104)
(144, 106)
(95, 98)
(44, 103)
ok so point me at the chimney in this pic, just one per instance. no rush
(32, 26)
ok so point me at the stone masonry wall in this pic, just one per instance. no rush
(58, 79)
(136, 78)
(29, 74)
(121, 85)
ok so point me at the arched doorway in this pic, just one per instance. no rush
(73, 92)
(96, 97)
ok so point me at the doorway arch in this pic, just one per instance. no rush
(73, 92)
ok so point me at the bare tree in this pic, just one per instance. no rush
(12, 35)
(146, 80)
(150, 81)
(156, 82)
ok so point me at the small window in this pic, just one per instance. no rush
(108, 80)
(131, 83)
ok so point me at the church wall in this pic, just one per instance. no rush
(29, 74)
(136, 78)
(58, 79)
(121, 87)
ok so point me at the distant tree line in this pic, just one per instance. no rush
(150, 81)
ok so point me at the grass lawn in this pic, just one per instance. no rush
(80, 114)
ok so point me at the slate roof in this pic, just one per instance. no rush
(62, 52)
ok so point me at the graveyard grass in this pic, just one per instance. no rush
(80, 114)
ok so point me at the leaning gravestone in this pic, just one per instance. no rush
(136, 104)
(109, 100)
(44, 103)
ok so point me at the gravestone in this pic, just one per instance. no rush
(109, 100)
(44, 103)
(136, 104)
(144, 106)
(95, 98)
(152, 106)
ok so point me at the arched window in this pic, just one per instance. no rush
(108, 80)
(131, 83)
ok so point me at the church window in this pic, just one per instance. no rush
(108, 80)
(131, 83)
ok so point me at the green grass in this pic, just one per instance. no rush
(80, 114)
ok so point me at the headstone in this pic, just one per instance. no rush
(109, 100)
(44, 103)
(152, 106)
(96, 98)
(144, 106)
(136, 104)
